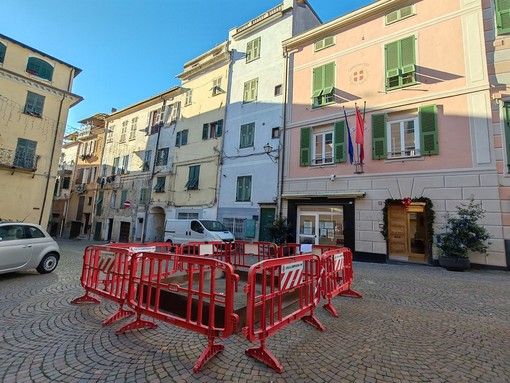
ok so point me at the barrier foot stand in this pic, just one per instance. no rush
(211, 350)
(122, 313)
(138, 323)
(351, 293)
(312, 319)
(264, 355)
(85, 299)
(330, 309)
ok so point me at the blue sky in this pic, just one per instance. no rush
(130, 50)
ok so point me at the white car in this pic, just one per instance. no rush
(27, 246)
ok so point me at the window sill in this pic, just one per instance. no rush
(403, 86)
(32, 114)
(323, 105)
(405, 158)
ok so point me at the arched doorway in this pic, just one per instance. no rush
(155, 225)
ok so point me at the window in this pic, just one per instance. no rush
(3, 49)
(156, 120)
(324, 43)
(66, 182)
(323, 85)
(104, 170)
(408, 134)
(125, 163)
(40, 68)
(400, 63)
(216, 89)
(132, 132)
(109, 134)
(212, 130)
(34, 104)
(278, 90)
(193, 175)
(24, 156)
(321, 146)
(275, 132)
(162, 157)
(143, 196)
(503, 16)
(181, 138)
(147, 161)
(115, 165)
(399, 14)
(187, 100)
(123, 198)
(185, 215)
(243, 191)
(250, 90)
(160, 185)
(247, 135)
(253, 50)
(123, 131)
(99, 203)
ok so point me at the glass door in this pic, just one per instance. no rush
(320, 225)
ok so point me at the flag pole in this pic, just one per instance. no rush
(357, 145)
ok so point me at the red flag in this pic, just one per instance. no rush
(360, 132)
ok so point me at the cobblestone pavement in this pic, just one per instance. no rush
(414, 324)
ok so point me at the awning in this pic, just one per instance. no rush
(345, 194)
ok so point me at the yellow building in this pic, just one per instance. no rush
(35, 97)
(199, 135)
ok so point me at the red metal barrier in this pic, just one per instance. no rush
(245, 254)
(158, 247)
(290, 249)
(217, 250)
(337, 276)
(105, 273)
(280, 280)
(204, 286)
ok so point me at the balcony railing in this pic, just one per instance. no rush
(17, 159)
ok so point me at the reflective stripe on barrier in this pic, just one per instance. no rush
(105, 273)
(245, 254)
(337, 276)
(280, 280)
(195, 293)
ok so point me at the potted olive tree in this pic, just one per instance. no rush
(462, 234)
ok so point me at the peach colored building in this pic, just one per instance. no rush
(418, 74)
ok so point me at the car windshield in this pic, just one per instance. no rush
(213, 226)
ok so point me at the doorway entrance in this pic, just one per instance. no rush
(320, 225)
(125, 228)
(407, 233)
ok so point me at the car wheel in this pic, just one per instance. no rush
(48, 263)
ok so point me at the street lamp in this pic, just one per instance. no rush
(268, 149)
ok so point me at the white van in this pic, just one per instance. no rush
(179, 231)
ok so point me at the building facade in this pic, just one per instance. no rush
(136, 169)
(36, 95)
(250, 164)
(407, 83)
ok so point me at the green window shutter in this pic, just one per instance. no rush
(24, 157)
(428, 129)
(378, 136)
(328, 41)
(407, 52)
(305, 147)
(178, 139)
(329, 75)
(246, 96)
(219, 128)
(3, 49)
(205, 131)
(503, 16)
(256, 48)
(123, 198)
(392, 60)
(318, 74)
(507, 133)
(339, 137)
(249, 51)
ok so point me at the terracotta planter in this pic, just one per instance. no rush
(454, 263)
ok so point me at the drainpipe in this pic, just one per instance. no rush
(281, 164)
(53, 150)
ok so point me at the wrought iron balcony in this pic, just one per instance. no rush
(18, 159)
